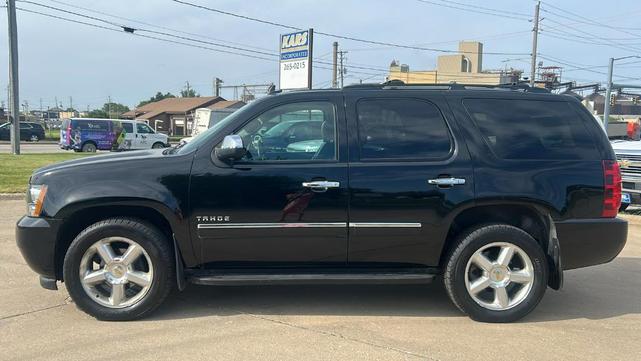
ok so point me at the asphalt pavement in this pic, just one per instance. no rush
(597, 316)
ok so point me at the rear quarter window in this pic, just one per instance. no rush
(532, 129)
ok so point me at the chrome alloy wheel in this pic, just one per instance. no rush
(499, 276)
(116, 272)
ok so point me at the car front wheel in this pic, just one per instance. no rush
(119, 269)
(496, 273)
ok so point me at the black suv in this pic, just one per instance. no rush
(28, 131)
(495, 191)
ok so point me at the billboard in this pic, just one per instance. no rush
(296, 60)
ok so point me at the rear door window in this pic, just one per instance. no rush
(402, 129)
(532, 129)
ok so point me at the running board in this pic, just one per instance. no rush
(240, 278)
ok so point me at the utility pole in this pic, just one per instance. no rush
(71, 103)
(608, 89)
(335, 65)
(608, 94)
(341, 55)
(535, 38)
(217, 84)
(14, 101)
(109, 106)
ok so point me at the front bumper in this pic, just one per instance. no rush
(588, 242)
(36, 239)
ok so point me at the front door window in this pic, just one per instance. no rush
(303, 131)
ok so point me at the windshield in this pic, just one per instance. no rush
(279, 129)
(201, 138)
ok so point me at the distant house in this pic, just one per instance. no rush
(173, 116)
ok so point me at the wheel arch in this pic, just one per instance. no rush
(79, 216)
(90, 141)
(533, 218)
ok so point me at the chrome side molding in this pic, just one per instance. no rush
(310, 225)
(271, 225)
(384, 225)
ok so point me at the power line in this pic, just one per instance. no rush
(481, 38)
(140, 35)
(584, 20)
(364, 67)
(155, 25)
(345, 37)
(588, 68)
(149, 31)
(174, 41)
(480, 10)
(583, 33)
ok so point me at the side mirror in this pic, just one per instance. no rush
(231, 149)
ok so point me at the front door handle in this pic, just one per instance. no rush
(321, 186)
(446, 182)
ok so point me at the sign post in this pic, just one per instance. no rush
(296, 60)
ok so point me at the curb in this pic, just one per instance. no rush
(11, 196)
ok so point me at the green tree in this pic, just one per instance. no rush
(97, 113)
(158, 97)
(189, 93)
(114, 110)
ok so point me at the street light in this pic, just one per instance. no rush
(608, 90)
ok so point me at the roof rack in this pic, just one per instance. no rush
(399, 84)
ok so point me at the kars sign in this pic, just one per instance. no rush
(296, 60)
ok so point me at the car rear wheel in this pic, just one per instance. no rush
(119, 269)
(496, 273)
(158, 145)
(89, 148)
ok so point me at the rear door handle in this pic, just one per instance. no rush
(321, 186)
(446, 181)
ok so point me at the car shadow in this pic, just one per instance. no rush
(595, 293)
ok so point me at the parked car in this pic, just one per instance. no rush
(89, 135)
(28, 131)
(494, 191)
(628, 153)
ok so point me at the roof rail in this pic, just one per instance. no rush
(396, 84)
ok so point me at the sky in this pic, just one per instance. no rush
(60, 59)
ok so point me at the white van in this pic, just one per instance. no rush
(91, 134)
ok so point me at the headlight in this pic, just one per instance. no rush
(35, 199)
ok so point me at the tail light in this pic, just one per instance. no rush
(611, 189)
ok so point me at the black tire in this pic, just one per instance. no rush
(157, 145)
(150, 239)
(89, 147)
(623, 207)
(471, 241)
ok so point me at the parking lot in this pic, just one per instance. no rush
(596, 316)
